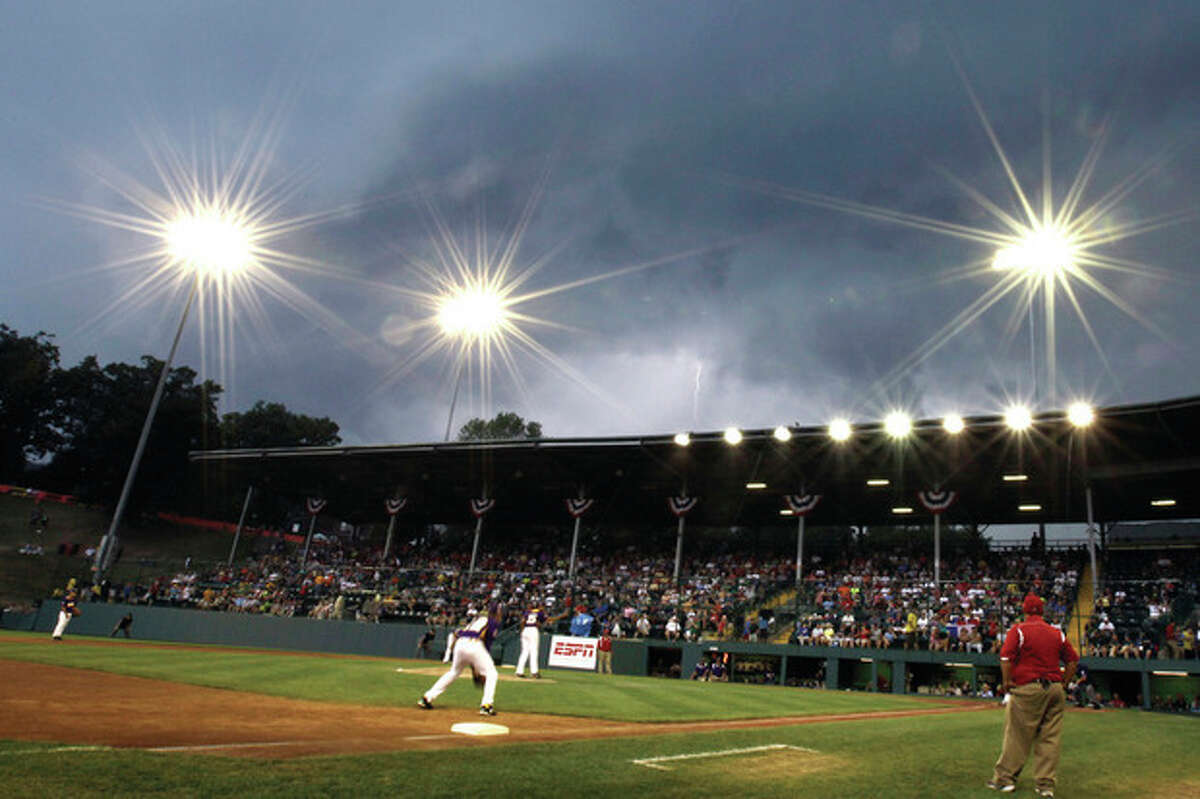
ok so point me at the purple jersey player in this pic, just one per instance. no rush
(470, 648)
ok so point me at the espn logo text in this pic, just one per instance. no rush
(572, 652)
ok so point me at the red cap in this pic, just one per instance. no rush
(1033, 605)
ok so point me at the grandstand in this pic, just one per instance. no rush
(869, 611)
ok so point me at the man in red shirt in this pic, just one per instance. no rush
(1029, 669)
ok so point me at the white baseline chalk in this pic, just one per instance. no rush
(653, 762)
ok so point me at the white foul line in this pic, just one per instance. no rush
(49, 749)
(203, 747)
(652, 762)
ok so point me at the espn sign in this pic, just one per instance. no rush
(573, 653)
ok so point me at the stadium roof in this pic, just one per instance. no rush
(1142, 462)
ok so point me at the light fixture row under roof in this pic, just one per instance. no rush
(899, 425)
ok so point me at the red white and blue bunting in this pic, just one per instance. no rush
(314, 505)
(395, 505)
(481, 506)
(938, 500)
(578, 507)
(681, 505)
(801, 504)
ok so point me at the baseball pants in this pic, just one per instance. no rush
(529, 650)
(61, 627)
(468, 652)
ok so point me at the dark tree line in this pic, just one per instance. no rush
(74, 430)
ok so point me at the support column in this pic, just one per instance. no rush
(387, 544)
(241, 521)
(1091, 538)
(799, 550)
(575, 547)
(937, 553)
(678, 549)
(475, 546)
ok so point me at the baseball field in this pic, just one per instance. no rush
(99, 717)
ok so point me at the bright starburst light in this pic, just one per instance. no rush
(1044, 252)
(212, 223)
(474, 309)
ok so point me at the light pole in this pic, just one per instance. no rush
(209, 243)
(131, 475)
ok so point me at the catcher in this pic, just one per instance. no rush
(67, 611)
(470, 649)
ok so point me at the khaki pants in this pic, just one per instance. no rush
(1033, 718)
(604, 662)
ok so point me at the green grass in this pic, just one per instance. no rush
(374, 681)
(1114, 754)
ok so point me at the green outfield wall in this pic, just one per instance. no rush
(895, 670)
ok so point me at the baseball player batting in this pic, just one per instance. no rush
(535, 617)
(470, 650)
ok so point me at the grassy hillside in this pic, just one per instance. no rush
(150, 547)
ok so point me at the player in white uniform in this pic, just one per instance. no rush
(471, 649)
(535, 617)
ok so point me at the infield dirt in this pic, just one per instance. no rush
(94, 708)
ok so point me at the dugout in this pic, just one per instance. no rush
(664, 661)
(864, 674)
(805, 672)
(755, 668)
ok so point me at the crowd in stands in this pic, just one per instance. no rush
(889, 601)
(1147, 607)
(878, 601)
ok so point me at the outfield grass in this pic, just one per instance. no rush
(375, 681)
(1112, 754)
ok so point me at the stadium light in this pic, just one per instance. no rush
(787, 512)
(733, 436)
(782, 433)
(953, 424)
(1031, 507)
(1044, 252)
(839, 430)
(1081, 414)
(902, 510)
(683, 439)
(1162, 503)
(209, 242)
(879, 481)
(1015, 478)
(472, 313)
(1018, 418)
(897, 424)
(755, 486)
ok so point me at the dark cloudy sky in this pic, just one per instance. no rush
(641, 129)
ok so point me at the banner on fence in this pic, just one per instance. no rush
(570, 652)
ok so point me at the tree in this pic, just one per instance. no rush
(28, 411)
(102, 411)
(505, 426)
(271, 424)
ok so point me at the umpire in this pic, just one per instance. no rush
(1029, 668)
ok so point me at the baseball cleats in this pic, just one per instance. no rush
(522, 676)
(1002, 787)
(537, 675)
(1045, 793)
(487, 710)
(424, 704)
